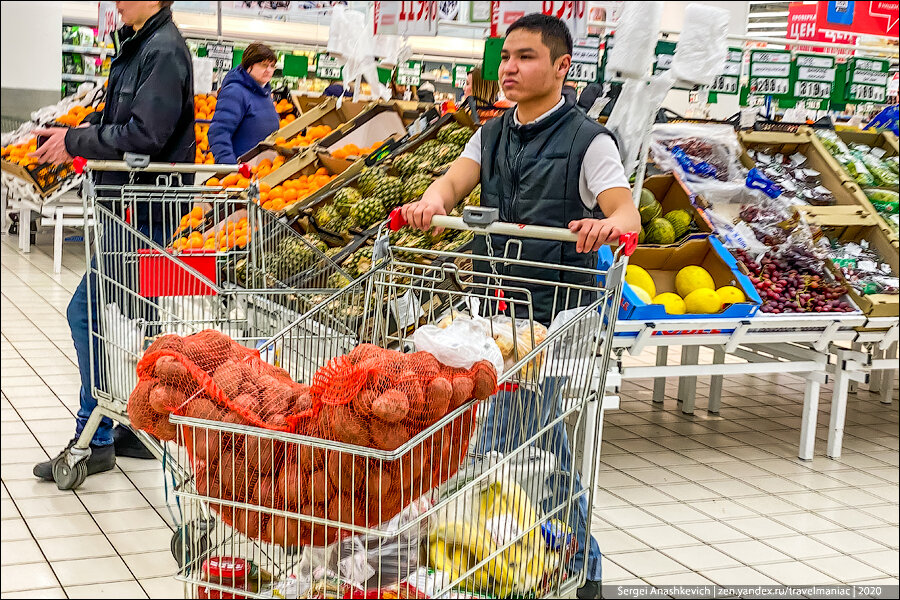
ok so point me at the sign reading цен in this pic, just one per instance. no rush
(862, 18)
(802, 26)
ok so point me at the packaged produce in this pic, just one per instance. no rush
(854, 166)
(371, 397)
(863, 268)
(798, 183)
(880, 169)
(697, 151)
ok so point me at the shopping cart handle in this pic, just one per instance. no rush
(396, 220)
(79, 163)
(245, 170)
(628, 242)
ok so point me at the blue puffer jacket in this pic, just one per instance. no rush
(245, 115)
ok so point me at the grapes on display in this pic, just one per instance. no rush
(790, 284)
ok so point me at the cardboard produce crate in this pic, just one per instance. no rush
(672, 194)
(663, 264)
(875, 139)
(46, 178)
(855, 229)
(307, 163)
(832, 176)
(325, 112)
(378, 122)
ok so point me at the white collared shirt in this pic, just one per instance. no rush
(601, 169)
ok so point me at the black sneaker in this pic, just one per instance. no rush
(590, 589)
(102, 458)
(128, 444)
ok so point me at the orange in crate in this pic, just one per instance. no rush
(293, 190)
(314, 133)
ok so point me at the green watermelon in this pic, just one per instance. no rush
(642, 235)
(660, 231)
(648, 207)
(680, 220)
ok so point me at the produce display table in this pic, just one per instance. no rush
(801, 344)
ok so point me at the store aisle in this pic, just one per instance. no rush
(682, 499)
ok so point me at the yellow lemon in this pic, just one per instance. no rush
(703, 301)
(641, 294)
(638, 277)
(731, 295)
(672, 302)
(693, 278)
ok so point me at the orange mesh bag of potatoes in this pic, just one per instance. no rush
(372, 397)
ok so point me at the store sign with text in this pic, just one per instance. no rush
(585, 60)
(573, 13)
(107, 21)
(728, 81)
(406, 18)
(409, 73)
(327, 67)
(770, 72)
(802, 26)
(813, 76)
(223, 54)
(867, 80)
(861, 18)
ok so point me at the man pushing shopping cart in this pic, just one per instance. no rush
(543, 163)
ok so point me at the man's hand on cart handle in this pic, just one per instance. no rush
(418, 215)
(594, 233)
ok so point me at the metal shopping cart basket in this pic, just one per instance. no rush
(490, 496)
(145, 283)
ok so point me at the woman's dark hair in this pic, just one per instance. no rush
(257, 53)
(554, 33)
(166, 4)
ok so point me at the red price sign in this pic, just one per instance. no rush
(573, 12)
(409, 17)
(866, 18)
(107, 20)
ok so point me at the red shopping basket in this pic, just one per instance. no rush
(162, 274)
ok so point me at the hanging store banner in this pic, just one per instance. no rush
(574, 13)
(107, 21)
(406, 18)
(607, 12)
(861, 18)
(802, 26)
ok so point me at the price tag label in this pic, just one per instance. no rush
(223, 54)
(665, 52)
(770, 72)
(406, 18)
(585, 60)
(867, 80)
(812, 89)
(729, 81)
(409, 73)
(460, 75)
(327, 67)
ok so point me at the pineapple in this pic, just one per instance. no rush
(240, 271)
(461, 136)
(474, 197)
(446, 133)
(344, 200)
(292, 256)
(427, 148)
(446, 154)
(368, 211)
(337, 280)
(360, 262)
(327, 217)
(369, 179)
(390, 192)
(415, 186)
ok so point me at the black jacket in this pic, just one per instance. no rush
(149, 101)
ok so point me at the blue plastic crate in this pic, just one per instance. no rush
(664, 262)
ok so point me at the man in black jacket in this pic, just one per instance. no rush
(149, 110)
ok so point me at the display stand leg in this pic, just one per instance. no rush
(4, 206)
(808, 424)
(715, 384)
(659, 383)
(875, 376)
(838, 410)
(856, 347)
(888, 375)
(58, 242)
(25, 230)
(687, 386)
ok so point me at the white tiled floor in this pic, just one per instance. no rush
(681, 499)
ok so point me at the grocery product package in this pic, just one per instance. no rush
(461, 342)
(371, 397)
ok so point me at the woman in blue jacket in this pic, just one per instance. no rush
(245, 114)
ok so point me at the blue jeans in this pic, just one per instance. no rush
(115, 242)
(516, 416)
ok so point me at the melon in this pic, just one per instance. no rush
(649, 207)
(660, 231)
(680, 220)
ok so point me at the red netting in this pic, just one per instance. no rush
(372, 397)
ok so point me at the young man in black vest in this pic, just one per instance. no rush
(542, 163)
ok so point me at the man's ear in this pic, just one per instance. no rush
(562, 68)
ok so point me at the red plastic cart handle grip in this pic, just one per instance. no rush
(628, 242)
(396, 220)
(79, 163)
(245, 170)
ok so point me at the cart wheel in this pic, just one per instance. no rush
(69, 477)
(187, 542)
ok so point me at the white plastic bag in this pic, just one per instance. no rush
(703, 47)
(464, 342)
(351, 45)
(123, 349)
(636, 34)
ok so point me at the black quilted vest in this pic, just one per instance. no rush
(531, 173)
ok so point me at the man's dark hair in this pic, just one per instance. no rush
(257, 53)
(166, 4)
(554, 33)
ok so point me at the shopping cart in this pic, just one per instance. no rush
(146, 284)
(490, 495)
